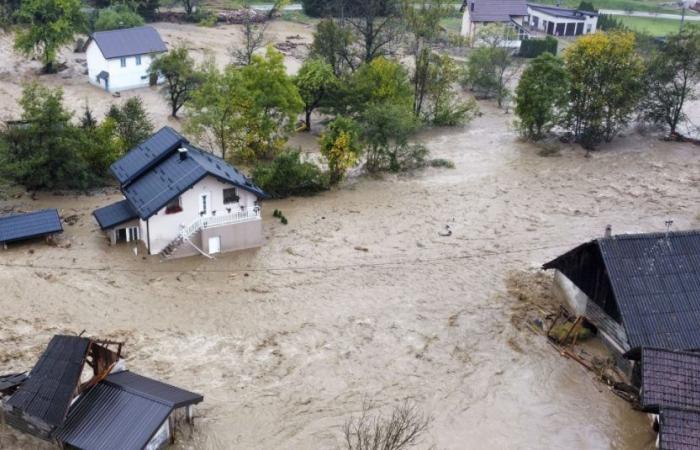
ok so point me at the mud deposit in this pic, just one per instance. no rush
(359, 296)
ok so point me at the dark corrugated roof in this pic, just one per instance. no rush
(154, 389)
(108, 417)
(670, 379)
(496, 10)
(17, 227)
(147, 154)
(173, 176)
(12, 380)
(567, 13)
(679, 429)
(655, 283)
(114, 214)
(48, 392)
(129, 42)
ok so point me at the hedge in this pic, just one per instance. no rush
(532, 48)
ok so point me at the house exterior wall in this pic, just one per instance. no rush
(471, 29)
(238, 236)
(163, 228)
(544, 18)
(120, 78)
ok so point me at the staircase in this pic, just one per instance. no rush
(187, 232)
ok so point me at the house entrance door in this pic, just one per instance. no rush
(214, 245)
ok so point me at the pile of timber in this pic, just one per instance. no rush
(236, 16)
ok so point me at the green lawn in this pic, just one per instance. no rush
(624, 5)
(655, 27)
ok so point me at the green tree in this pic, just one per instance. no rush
(288, 175)
(132, 123)
(115, 17)
(673, 75)
(41, 152)
(314, 81)
(490, 66)
(100, 145)
(376, 23)
(49, 25)
(341, 147)
(444, 105)
(181, 76)
(386, 131)
(333, 42)
(382, 81)
(541, 96)
(606, 85)
(586, 6)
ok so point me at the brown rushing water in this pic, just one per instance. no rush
(284, 354)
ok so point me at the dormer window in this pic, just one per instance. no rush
(174, 206)
(231, 196)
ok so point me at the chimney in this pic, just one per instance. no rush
(608, 231)
(183, 153)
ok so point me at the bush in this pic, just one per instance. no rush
(115, 17)
(532, 48)
(442, 163)
(288, 175)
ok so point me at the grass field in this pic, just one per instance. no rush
(655, 27)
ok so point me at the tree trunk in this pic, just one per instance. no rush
(308, 120)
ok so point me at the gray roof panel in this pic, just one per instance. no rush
(567, 13)
(670, 379)
(129, 42)
(115, 214)
(154, 389)
(679, 429)
(17, 227)
(496, 10)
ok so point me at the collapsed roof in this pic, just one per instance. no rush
(650, 283)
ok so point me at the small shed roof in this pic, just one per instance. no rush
(670, 379)
(495, 10)
(129, 42)
(115, 214)
(566, 13)
(53, 381)
(654, 280)
(17, 227)
(679, 429)
(122, 412)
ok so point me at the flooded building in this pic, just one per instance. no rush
(79, 395)
(180, 200)
(31, 225)
(638, 290)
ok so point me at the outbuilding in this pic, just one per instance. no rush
(558, 21)
(118, 60)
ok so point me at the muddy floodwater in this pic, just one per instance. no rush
(359, 296)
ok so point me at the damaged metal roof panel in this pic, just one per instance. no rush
(107, 417)
(679, 429)
(157, 390)
(46, 396)
(670, 379)
(17, 227)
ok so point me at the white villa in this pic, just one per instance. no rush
(557, 21)
(180, 200)
(118, 60)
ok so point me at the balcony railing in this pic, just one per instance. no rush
(219, 220)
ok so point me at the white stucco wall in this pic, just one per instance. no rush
(120, 78)
(544, 17)
(164, 228)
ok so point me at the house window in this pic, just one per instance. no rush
(588, 28)
(231, 196)
(173, 207)
(123, 61)
(138, 60)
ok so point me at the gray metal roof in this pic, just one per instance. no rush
(670, 379)
(48, 392)
(154, 389)
(495, 10)
(679, 429)
(129, 42)
(108, 417)
(567, 13)
(17, 227)
(10, 381)
(147, 154)
(171, 177)
(652, 280)
(115, 214)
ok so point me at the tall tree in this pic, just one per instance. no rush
(341, 147)
(314, 81)
(115, 17)
(606, 85)
(333, 42)
(490, 65)
(672, 78)
(375, 22)
(49, 25)
(181, 77)
(253, 39)
(541, 95)
(131, 122)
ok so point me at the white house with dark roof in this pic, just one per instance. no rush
(118, 60)
(180, 200)
(557, 21)
(478, 13)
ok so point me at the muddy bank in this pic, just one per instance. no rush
(359, 296)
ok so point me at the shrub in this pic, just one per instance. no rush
(443, 163)
(288, 175)
(532, 48)
(115, 17)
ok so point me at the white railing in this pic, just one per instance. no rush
(218, 220)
